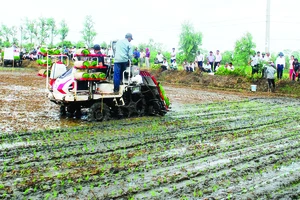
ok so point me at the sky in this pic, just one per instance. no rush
(221, 22)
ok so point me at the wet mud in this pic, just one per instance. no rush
(211, 145)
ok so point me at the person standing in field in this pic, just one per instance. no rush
(123, 55)
(211, 58)
(136, 56)
(199, 59)
(291, 72)
(270, 74)
(142, 57)
(173, 55)
(296, 69)
(218, 60)
(254, 64)
(147, 57)
(280, 64)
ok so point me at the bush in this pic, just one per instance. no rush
(238, 71)
(155, 66)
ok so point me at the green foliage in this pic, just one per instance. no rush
(227, 57)
(16, 57)
(30, 31)
(155, 66)
(6, 44)
(238, 71)
(85, 52)
(104, 44)
(52, 29)
(65, 43)
(135, 61)
(243, 49)
(88, 32)
(42, 30)
(80, 44)
(63, 30)
(189, 41)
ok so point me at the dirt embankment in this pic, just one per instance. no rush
(242, 85)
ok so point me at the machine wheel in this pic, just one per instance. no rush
(97, 114)
(62, 110)
(136, 107)
(73, 110)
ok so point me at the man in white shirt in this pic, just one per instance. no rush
(173, 55)
(267, 57)
(199, 59)
(218, 59)
(164, 66)
(173, 65)
(211, 58)
(207, 67)
(280, 64)
(142, 57)
(159, 57)
(254, 63)
(230, 66)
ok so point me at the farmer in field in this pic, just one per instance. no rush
(136, 56)
(211, 59)
(147, 57)
(218, 60)
(164, 66)
(199, 59)
(122, 56)
(207, 67)
(254, 64)
(296, 69)
(173, 55)
(280, 64)
(270, 74)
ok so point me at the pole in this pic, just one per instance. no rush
(267, 44)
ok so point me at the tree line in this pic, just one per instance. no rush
(43, 31)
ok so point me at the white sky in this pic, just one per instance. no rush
(221, 22)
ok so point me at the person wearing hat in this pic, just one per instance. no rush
(97, 50)
(123, 54)
(211, 58)
(280, 64)
(270, 75)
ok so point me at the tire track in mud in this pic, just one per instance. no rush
(218, 150)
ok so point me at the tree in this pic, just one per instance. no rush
(227, 57)
(88, 32)
(6, 32)
(80, 44)
(43, 30)
(63, 30)
(243, 49)
(104, 45)
(189, 41)
(65, 43)
(30, 30)
(52, 28)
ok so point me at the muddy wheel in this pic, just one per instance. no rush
(62, 110)
(136, 107)
(73, 110)
(97, 114)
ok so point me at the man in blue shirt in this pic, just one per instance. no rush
(136, 56)
(122, 55)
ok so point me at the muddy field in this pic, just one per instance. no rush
(212, 145)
